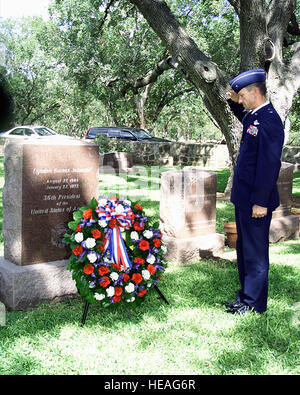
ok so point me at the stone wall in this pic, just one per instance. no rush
(291, 155)
(209, 156)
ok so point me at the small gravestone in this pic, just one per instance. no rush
(2, 314)
(44, 183)
(284, 225)
(188, 214)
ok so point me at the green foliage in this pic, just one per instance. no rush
(294, 116)
(78, 68)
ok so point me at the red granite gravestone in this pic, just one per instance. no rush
(44, 183)
(284, 225)
(188, 214)
(56, 180)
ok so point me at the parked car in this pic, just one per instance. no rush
(123, 133)
(31, 131)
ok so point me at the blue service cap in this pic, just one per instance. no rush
(247, 78)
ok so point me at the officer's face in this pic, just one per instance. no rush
(248, 98)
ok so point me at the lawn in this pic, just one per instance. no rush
(192, 335)
(296, 183)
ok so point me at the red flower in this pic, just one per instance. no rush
(87, 214)
(137, 278)
(96, 234)
(88, 269)
(138, 207)
(118, 291)
(116, 298)
(132, 216)
(151, 269)
(77, 250)
(104, 281)
(138, 227)
(157, 243)
(144, 245)
(100, 247)
(125, 277)
(112, 223)
(116, 266)
(78, 229)
(139, 260)
(103, 270)
(142, 293)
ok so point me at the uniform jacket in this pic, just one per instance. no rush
(258, 163)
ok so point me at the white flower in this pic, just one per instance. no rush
(129, 288)
(102, 223)
(151, 259)
(110, 291)
(99, 296)
(92, 257)
(90, 242)
(78, 237)
(164, 249)
(146, 275)
(119, 209)
(114, 276)
(132, 299)
(127, 202)
(106, 259)
(134, 235)
(148, 234)
(102, 202)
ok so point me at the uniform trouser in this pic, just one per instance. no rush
(253, 258)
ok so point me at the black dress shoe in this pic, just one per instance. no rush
(240, 310)
(232, 305)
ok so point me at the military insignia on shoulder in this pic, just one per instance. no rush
(253, 130)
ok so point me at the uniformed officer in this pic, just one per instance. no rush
(254, 191)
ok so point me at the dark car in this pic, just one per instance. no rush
(129, 134)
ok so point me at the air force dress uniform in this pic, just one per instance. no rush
(255, 177)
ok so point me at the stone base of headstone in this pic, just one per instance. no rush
(284, 228)
(191, 248)
(116, 162)
(22, 287)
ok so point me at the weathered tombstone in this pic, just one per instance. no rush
(44, 183)
(284, 225)
(188, 214)
(116, 162)
(2, 314)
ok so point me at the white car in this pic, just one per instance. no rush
(31, 131)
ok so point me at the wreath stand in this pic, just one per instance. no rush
(87, 304)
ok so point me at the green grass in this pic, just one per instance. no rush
(296, 183)
(192, 335)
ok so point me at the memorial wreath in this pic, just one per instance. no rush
(117, 254)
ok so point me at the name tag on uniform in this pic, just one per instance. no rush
(253, 130)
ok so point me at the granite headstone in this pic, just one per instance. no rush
(188, 213)
(45, 182)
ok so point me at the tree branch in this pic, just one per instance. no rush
(151, 76)
(236, 4)
(293, 27)
(106, 12)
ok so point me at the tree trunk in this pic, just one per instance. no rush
(210, 81)
(260, 22)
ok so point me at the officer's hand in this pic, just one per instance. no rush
(233, 96)
(259, 211)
